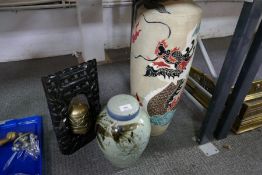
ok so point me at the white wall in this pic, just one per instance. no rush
(219, 19)
(43, 33)
(90, 17)
(38, 33)
(117, 22)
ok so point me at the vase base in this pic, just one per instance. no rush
(158, 130)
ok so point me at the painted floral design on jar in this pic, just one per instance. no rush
(123, 130)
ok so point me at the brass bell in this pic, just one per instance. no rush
(79, 117)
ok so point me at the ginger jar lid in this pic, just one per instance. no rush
(123, 107)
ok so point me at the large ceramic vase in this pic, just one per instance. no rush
(164, 37)
(123, 130)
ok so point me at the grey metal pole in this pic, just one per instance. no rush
(243, 84)
(207, 59)
(238, 49)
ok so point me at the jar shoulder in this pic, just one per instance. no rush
(138, 129)
(141, 119)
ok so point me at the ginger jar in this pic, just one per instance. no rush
(123, 130)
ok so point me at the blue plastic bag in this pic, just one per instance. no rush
(18, 157)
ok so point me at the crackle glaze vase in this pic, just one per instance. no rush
(163, 42)
(123, 130)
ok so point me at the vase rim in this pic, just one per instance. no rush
(123, 107)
